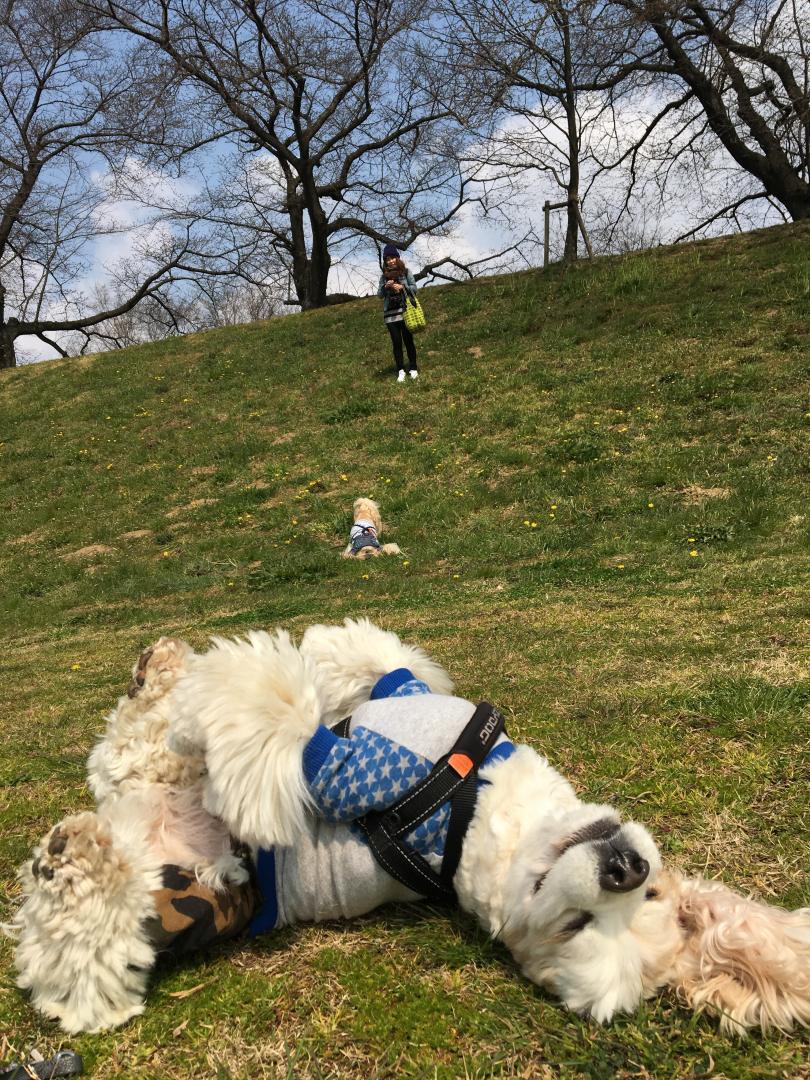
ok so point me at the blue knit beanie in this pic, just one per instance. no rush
(389, 251)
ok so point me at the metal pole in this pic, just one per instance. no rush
(546, 232)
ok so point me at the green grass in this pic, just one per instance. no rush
(600, 486)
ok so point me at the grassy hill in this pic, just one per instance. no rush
(600, 485)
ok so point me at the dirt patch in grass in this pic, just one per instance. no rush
(29, 538)
(694, 493)
(89, 552)
(136, 534)
(178, 510)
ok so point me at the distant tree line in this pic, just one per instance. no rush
(215, 152)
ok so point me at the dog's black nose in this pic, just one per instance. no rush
(621, 870)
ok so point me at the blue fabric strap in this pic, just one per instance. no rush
(386, 686)
(267, 916)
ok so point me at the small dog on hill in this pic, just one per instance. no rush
(364, 538)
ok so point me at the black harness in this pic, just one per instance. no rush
(453, 779)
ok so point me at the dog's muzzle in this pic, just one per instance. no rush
(621, 868)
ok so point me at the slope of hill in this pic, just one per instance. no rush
(600, 487)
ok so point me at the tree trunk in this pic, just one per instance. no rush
(572, 223)
(8, 357)
(310, 269)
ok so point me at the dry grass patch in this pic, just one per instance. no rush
(694, 493)
(29, 538)
(89, 552)
(193, 505)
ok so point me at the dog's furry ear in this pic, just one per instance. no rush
(83, 949)
(349, 660)
(746, 961)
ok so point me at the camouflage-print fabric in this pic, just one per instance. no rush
(191, 916)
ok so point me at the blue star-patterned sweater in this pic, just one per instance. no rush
(395, 738)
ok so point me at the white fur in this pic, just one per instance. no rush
(250, 706)
(349, 659)
(133, 751)
(82, 950)
(522, 820)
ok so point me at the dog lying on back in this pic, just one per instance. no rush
(364, 541)
(238, 742)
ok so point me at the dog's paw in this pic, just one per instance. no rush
(75, 858)
(228, 869)
(158, 668)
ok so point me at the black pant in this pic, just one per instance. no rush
(399, 332)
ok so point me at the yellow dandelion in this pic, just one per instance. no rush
(651, 505)
(406, 563)
(75, 667)
(166, 554)
(364, 577)
(694, 553)
(343, 476)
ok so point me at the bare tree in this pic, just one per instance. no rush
(554, 72)
(732, 74)
(74, 107)
(208, 302)
(342, 99)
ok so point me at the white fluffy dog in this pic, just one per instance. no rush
(577, 895)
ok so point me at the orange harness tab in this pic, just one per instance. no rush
(460, 763)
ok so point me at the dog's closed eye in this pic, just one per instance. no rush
(579, 922)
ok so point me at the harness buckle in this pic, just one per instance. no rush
(460, 763)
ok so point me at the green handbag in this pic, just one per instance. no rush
(413, 316)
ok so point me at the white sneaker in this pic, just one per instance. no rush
(414, 374)
(401, 377)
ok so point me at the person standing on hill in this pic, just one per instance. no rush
(395, 279)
